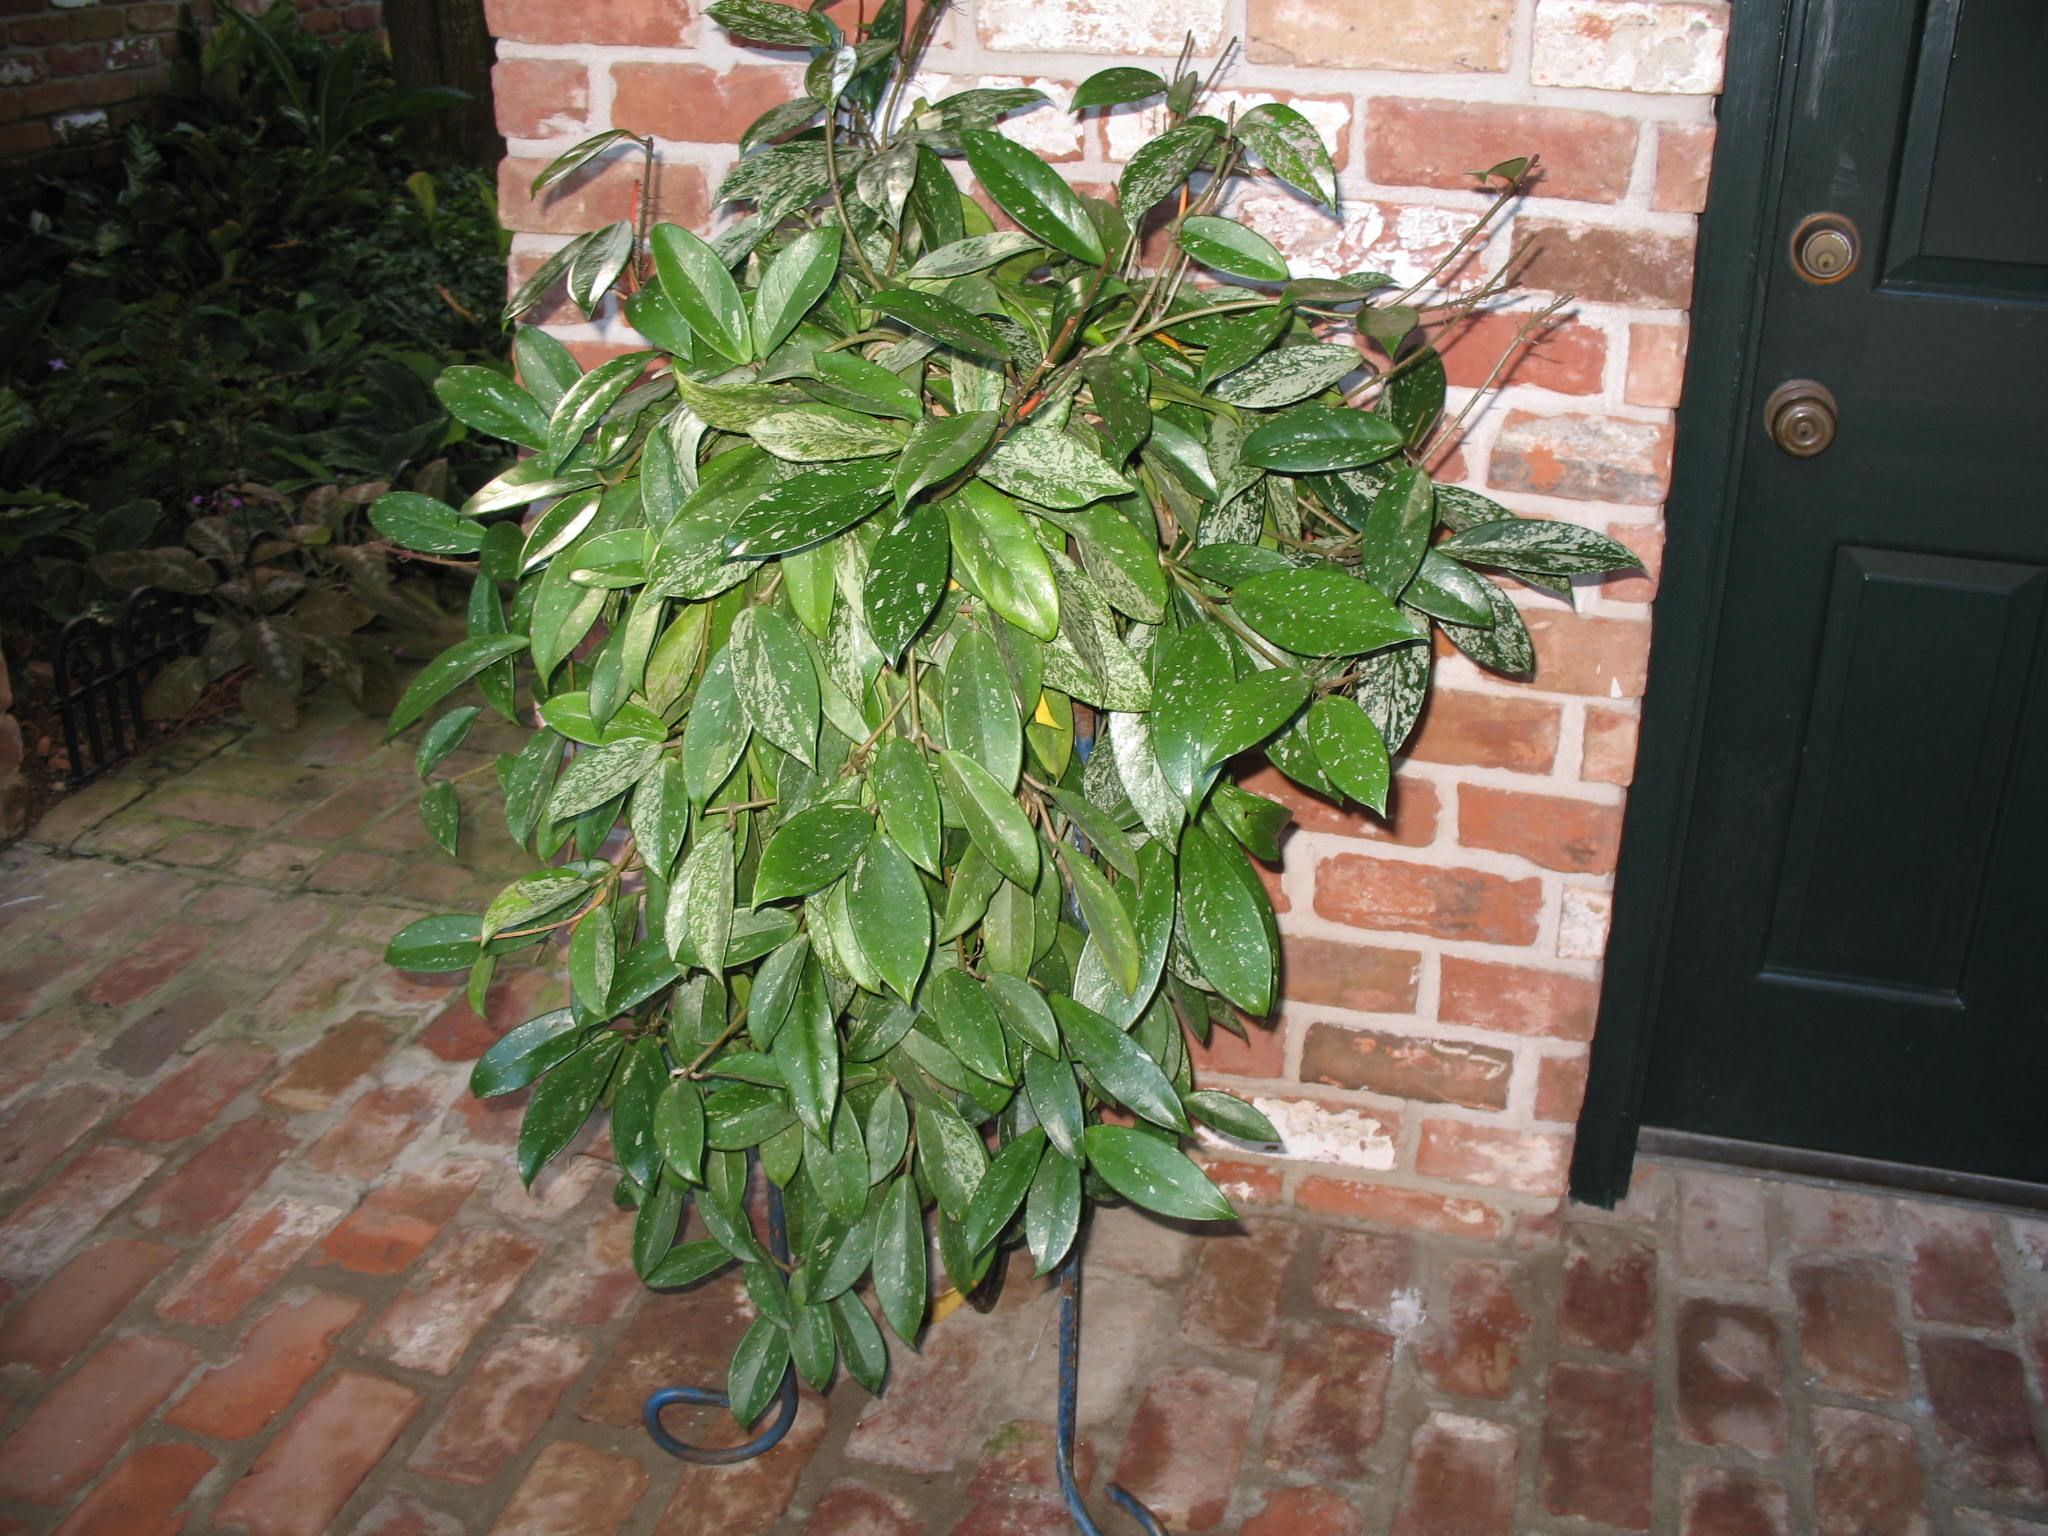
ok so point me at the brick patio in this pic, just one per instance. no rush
(264, 1267)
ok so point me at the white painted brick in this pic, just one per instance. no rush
(1661, 47)
(1100, 26)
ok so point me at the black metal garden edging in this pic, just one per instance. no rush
(99, 706)
(786, 1402)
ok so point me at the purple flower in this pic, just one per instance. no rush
(58, 364)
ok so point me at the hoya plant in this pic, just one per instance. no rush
(886, 631)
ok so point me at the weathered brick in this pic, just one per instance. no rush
(1663, 47)
(250, 1255)
(218, 1177)
(459, 1034)
(400, 1514)
(1185, 1442)
(396, 1222)
(1866, 1476)
(1407, 1067)
(692, 103)
(1582, 458)
(1685, 156)
(31, 979)
(1379, 34)
(1608, 755)
(148, 965)
(1978, 1393)
(601, 196)
(279, 1355)
(325, 975)
(1330, 1404)
(1410, 822)
(351, 872)
(318, 1076)
(591, 1284)
(1476, 1343)
(57, 1218)
(1576, 836)
(1077, 26)
(1389, 1205)
(1306, 1512)
(1235, 1300)
(141, 1496)
(1656, 365)
(1548, 1005)
(573, 1488)
(628, 23)
(855, 1509)
(541, 98)
(460, 1289)
(928, 1418)
(142, 1048)
(304, 1476)
(1730, 1386)
(1637, 586)
(30, 1056)
(503, 1402)
(1460, 1479)
(1955, 1271)
(378, 1126)
(1597, 1446)
(749, 1498)
(1240, 1181)
(1603, 658)
(186, 1102)
(38, 1133)
(1834, 1218)
(267, 946)
(1849, 1326)
(1607, 1299)
(1721, 1231)
(1360, 977)
(1527, 1162)
(1586, 156)
(1261, 1051)
(1637, 268)
(1727, 1501)
(1487, 730)
(1368, 1273)
(1448, 903)
(74, 1306)
(74, 1432)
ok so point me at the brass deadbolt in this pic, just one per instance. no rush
(1801, 416)
(1825, 248)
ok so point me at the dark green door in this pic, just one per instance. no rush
(1857, 956)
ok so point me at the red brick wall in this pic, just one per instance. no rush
(1443, 970)
(75, 70)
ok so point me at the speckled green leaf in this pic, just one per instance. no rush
(1148, 1172)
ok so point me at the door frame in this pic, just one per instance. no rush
(1736, 240)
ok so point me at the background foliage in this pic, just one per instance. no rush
(886, 632)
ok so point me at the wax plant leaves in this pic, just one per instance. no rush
(876, 645)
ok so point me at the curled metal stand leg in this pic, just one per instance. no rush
(712, 1397)
(1070, 1381)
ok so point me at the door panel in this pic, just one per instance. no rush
(1856, 962)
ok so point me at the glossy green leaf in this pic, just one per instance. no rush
(794, 281)
(701, 288)
(1504, 646)
(532, 896)
(807, 1048)
(811, 850)
(1230, 1115)
(908, 799)
(766, 21)
(716, 732)
(1119, 383)
(1053, 469)
(1112, 87)
(1289, 146)
(679, 1129)
(1444, 589)
(1055, 1099)
(1119, 1064)
(815, 505)
(976, 253)
(1528, 544)
(643, 1075)
(1415, 395)
(575, 157)
(1227, 920)
(587, 400)
(1149, 1172)
(485, 399)
(860, 1342)
(907, 576)
(563, 1100)
(688, 1264)
(811, 434)
(981, 710)
(758, 1365)
(742, 1115)
(966, 1019)
(1109, 925)
(1320, 613)
(951, 1156)
(1052, 1210)
(1228, 246)
(422, 523)
(1034, 194)
(774, 681)
(1351, 750)
(848, 379)
(1287, 375)
(443, 737)
(600, 773)
(939, 448)
(1024, 1012)
(901, 1273)
(994, 820)
(1162, 165)
(891, 915)
(942, 320)
(1003, 1187)
(997, 556)
(449, 671)
(1392, 687)
(1313, 438)
(441, 815)
(521, 1055)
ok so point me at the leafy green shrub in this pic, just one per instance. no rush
(886, 631)
(265, 289)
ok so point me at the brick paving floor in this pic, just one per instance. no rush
(264, 1267)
